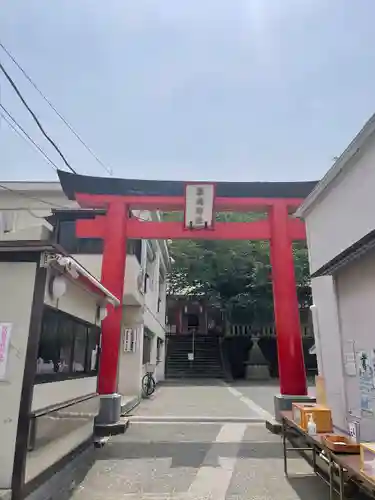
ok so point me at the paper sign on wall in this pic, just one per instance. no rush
(5, 333)
(353, 428)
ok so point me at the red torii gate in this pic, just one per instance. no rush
(119, 196)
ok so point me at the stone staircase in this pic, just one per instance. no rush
(207, 357)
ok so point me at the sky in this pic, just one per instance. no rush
(236, 90)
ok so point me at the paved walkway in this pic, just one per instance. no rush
(194, 400)
(160, 459)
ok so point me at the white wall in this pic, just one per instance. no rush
(27, 212)
(93, 264)
(53, 393)
(356, 292)
(345, 214)
(132, 293)
(75, 301)
(328, 344)
(17, 285)
(130, 363)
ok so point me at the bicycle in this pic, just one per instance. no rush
(148, 385)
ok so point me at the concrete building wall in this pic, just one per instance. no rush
(17, 284)
(328, 345)
(356, 292)
(21, 212)
(130, 364)
(345, 214)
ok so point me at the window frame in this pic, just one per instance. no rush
(41, 378)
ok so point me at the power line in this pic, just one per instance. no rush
(15, 88)
(64, 120)
(31, 141)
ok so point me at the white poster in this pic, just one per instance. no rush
(5, 333)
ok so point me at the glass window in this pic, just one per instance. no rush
(48, 354)
(68, 347)
(65, 341)
(134, 247)
(147, 345)
(80, 348)
(93, 346)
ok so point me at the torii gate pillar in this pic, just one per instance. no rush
(289, 341)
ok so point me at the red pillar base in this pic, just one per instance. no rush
(289, 340)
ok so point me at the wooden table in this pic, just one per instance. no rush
(343, 474)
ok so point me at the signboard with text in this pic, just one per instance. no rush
(199, 206)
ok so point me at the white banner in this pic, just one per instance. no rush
(5, 333)
(199, 205)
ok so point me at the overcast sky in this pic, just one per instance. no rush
(189, 89)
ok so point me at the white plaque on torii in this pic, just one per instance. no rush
(199, 205)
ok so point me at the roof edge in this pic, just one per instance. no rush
(337, 168)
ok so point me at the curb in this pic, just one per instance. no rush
(197, 420)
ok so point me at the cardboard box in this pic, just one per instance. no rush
(321, 415)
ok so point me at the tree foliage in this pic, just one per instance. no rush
(233, 275)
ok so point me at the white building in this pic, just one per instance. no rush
(340, 222)
(23, 204)
(50, 337)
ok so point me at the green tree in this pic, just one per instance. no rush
(233, 275)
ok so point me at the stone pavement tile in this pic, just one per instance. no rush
(148, 461)
(262, 393)
(261, 477)
(259, 433)
(210, 400)
(171, 432)
(117, 480)
(259, 471)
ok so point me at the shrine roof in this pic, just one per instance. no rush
(74, 183)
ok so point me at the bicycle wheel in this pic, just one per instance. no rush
(148, 385)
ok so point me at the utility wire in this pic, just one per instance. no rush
(15, 88)
(64, 120)
(26, 135)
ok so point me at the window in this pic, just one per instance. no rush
(159, 350)
(161, 291)
(145, 283)
(134, 247)
(68, 347)
(147, 344)
(7, 221)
